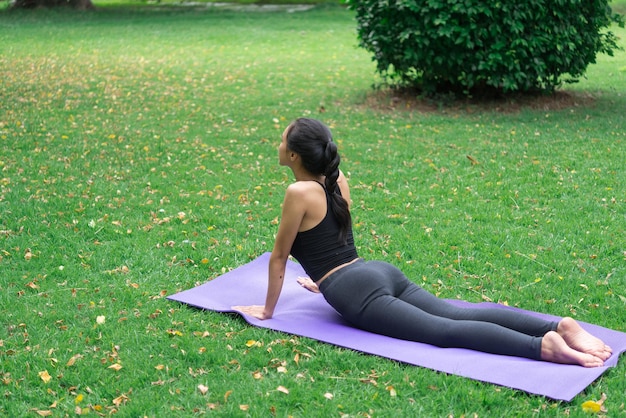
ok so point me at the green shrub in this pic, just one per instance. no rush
(465, 46)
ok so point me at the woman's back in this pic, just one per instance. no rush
(319, 247)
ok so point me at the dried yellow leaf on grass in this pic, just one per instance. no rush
(45, 413)
(116, 367)
(73, 359)
(203, 389)
(226, 395)
(120, 400)
(594, 407)
(591, 407)
(45, 376)
(253, 343)
(81, 411)
(283, 389)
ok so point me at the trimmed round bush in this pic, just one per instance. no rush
(466, 46)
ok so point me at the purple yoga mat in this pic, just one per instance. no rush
(307, 314)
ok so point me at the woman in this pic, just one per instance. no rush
(316, 229)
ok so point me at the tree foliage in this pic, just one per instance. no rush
(472, 45)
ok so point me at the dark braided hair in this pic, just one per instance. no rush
(313, 141)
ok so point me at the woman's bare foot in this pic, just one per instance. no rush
(555, 349)
(580, 340)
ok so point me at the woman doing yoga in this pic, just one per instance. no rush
(316, 228)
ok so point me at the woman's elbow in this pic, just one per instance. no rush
(278, 257)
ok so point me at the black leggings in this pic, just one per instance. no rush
(377, 297)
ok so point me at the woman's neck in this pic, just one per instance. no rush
(303, 175)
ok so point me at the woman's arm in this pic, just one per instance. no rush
(294, 209)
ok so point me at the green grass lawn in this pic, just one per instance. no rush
(138, 158)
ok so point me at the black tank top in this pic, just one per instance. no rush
(319, 250)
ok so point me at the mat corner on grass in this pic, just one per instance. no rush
(300, 312)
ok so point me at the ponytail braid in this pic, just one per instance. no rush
(332, 167)
(339, 205)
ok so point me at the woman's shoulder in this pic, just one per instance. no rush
(304, 187)
(306, 193)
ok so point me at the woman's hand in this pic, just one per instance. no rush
(308, 284)
(257, 311)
